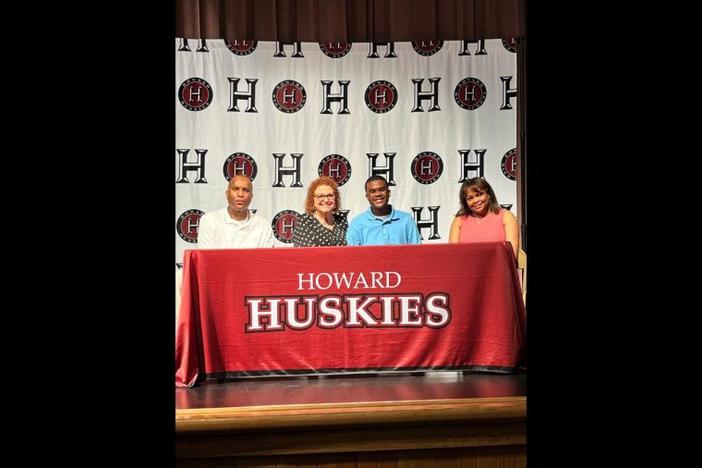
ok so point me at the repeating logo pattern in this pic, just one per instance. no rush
(241, 47)
(284, 224)
(381, 96)
(335, 166)
(427, 167)
(335, 49)
(240, 163)
(195, 94)
(187, 225)
(470, 93)
(289, 96)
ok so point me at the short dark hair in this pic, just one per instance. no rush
(371, 179)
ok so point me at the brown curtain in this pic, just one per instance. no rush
(349, 20)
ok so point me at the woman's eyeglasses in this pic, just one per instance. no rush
(328, 196)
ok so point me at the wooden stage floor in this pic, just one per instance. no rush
(351, 389)
(437, 418)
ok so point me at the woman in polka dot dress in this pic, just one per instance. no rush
(321, 224)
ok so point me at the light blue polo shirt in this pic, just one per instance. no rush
(368, 229)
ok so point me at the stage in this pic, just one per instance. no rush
(433, 418)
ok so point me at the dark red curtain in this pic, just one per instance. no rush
(350, 20)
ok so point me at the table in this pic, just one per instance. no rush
(344, 310)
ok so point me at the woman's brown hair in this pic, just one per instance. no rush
(324, 180)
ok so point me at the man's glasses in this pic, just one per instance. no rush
(328, 196)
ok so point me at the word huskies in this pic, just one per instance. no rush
(275, 313)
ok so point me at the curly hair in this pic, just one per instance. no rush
(324, 180)
(482, 185)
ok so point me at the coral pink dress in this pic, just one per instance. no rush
(490, 228)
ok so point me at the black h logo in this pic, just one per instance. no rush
(507, 92)
(389, 50)
(480, 51)
(184, 47)
(235, 95)
(328, 97)
(474, 167)
(198, 165)
(432, 94)
(431, 223)
(388, 170)
(280, 49)
(293, 170)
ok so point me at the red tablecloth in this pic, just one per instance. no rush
(298, 311)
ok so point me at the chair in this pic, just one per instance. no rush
(522, 269)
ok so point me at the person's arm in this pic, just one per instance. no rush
(206, 233)
(455, 231)
(511, 231)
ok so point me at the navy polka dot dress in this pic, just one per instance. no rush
(309, 232)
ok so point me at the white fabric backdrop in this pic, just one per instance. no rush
(207, 134)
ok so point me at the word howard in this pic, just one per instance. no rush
(373, 279)
(275, 313)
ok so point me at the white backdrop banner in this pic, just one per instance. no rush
(425, 115)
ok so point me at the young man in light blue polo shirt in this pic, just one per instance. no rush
(381, 224)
